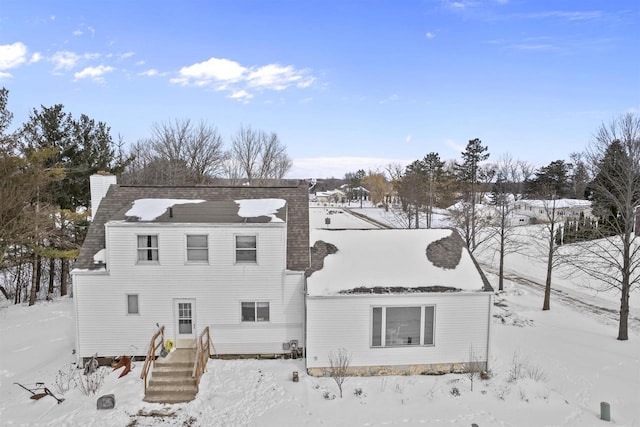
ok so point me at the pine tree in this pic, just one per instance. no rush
(469, 175)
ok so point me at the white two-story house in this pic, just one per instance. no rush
(228, 257)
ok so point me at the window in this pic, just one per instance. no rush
(147, 248)
(402, 326)
(197, 248)
(246, 249)
(132, 304)
(255, 311)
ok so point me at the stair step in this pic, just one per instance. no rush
(172, 375)
(159, 389)
(170, 397)
(165, 381)
(175, 364)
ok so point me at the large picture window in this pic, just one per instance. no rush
(255, 311)
(402, 326)
(147, 248)
(197, 248)
(246, 249)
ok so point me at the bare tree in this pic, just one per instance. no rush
(503, 200)
(476, 226)
(614, 258)
(177, 152)
(339, 366)
(473, 367)
(545, 245)
(259, 155)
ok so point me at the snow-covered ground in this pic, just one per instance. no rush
(548, 368)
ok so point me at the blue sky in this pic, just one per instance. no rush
(346, 85)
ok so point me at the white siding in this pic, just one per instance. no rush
(218, 287)
(461, 322)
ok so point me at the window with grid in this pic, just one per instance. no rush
(255, 311)
(147, 248)
(197, 248)
(402, 326)
(246, 249)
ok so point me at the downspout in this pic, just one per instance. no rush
(489, 329)
(76, 321)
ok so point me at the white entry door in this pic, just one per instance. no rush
(185, 323)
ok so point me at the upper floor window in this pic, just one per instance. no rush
(246, 249)
(197, 248)
(147, 248)
(402, 326)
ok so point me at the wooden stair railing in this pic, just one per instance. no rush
(203, 353)
(150, 360)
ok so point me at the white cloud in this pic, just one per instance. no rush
(430, 35)
(64, 60)
(306, 100)
(392, 98)
(241, 95)
(277, 77)
(127, 55)
(4, 76)
(150, 73)
(213, 69)
(93, 73)
(36, 57)
(77, 33)
(226, 75)
(93, 31)
(12, 55)
(408, 138)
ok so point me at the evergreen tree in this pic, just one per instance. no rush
(469, 175)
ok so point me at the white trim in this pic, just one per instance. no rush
(186, 249)
(255, 312)
(383, 326)
(235, 249)
(176, 318)
(138, 249)
(137, 304)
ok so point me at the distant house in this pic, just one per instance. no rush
(330, 197)
(399, 301)
(355, 193)
(540, 210)
(228, 257)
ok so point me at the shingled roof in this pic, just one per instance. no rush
(120, 198)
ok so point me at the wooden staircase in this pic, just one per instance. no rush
(172, 378)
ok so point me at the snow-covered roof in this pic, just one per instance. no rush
(558, 203)
(253, 208)
(204, 211)
(150, 209)
(423, 258)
